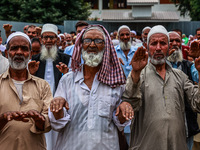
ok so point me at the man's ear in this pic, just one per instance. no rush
(6, 53)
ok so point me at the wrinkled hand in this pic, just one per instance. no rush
(194, 51)
(38, 118)
(7, 27)
(15, 115)
(33, 67)
(138, 62)
(121, 61)
(56, 107)
(140, 59)
(124, 112)
(35, 115)
(62, 68)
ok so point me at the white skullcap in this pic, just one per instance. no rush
(134, 32)
(50, 28)
(18, 34)
(123, 27)
(61, 35)
(147, 27)
(175, 33)
(157, 29)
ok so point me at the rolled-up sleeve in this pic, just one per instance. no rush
(132, 93)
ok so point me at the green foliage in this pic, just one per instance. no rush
(191, 7)
(44, 11)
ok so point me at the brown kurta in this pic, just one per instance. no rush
(159, 122)
(18, 135)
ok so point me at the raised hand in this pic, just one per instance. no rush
(7, 27)
(33, 67)
(197, 64)
(124, 112)
(62, 68)
(194, 51)
(138, 62)
(56, 107)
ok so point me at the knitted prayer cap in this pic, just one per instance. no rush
(49, 28)
(157, 29)
(18, 34)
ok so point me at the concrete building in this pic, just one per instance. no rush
(135, 11)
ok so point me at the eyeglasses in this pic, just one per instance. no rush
(46, 37)
(96, 41)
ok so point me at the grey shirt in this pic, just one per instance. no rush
(159, 122)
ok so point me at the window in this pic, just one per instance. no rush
(115, 4)
(94, 3)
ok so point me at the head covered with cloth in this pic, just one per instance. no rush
(110, 72)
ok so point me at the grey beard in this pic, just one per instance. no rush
(51, 53)
(176, 56)
(125, 46)
(69, 42)
(91, 59)
(157, 61)
(16, 65)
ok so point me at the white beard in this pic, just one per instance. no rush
(176, 56)
(18, 66)
(92, 59)
(69, 42)
(158, 61)
(51, 53)
(125, 46)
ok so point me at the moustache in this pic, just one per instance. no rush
(18, 58)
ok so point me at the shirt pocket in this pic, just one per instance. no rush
(106, 106)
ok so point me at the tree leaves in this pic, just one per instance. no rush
(43, 11)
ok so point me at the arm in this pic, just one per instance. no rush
(40, 119)
(132, 93)
(58, 114)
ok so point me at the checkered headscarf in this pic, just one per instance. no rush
(110, 72)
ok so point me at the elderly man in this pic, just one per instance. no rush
(95, 90)
(176, 61)
(49, 65)
(156, 92)
(125, 50)
(24, 100)
(52, 64)
(68, 39)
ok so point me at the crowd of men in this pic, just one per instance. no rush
(91, 90)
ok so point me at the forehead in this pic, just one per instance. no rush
(31, 28)
(68, 35)
(124, 30)
(146, 30)
(49, 34)
(174, 36)
(94, 32)
(19, 40)
(158, 36)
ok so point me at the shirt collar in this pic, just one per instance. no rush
(6, 74)
(79, 75)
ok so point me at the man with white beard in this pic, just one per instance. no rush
(50, 65)
(176, 61)
(125, 50)
(24, 100)
(87, 116)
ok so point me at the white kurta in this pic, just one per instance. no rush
(90, 123)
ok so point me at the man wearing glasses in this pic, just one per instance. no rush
(87, 116)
